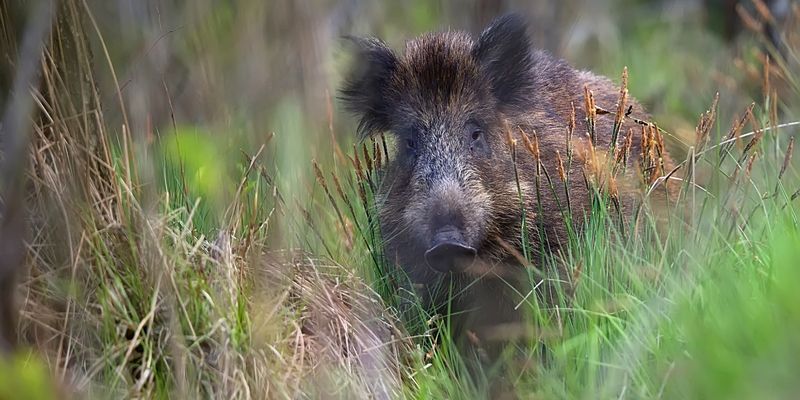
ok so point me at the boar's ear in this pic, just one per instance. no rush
(504, 54)
(364, 92)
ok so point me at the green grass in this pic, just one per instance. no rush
(193, 261)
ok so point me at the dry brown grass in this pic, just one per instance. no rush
(125, 299)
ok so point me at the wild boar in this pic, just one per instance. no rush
(452, 198)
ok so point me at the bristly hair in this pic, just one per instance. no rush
(435, 65)
(505, 54)
(364, 90)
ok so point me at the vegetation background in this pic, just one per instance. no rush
(200, 223)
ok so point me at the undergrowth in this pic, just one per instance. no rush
(154, 273)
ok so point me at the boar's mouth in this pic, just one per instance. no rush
(449, 252)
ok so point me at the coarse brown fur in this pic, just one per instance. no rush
(453, 104)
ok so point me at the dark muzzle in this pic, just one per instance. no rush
(449, 252)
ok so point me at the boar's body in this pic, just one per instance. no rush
(449, 202)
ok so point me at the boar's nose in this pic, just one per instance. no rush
(449, 251)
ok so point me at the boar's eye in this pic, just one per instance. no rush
(477, 139)
(408, 142)
(411, 149)
(476, 135)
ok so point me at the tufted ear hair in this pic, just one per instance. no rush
(504, 53)
(364, 92)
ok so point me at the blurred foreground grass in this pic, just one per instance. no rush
(187, 253)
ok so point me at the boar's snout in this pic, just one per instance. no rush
(449, 252)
